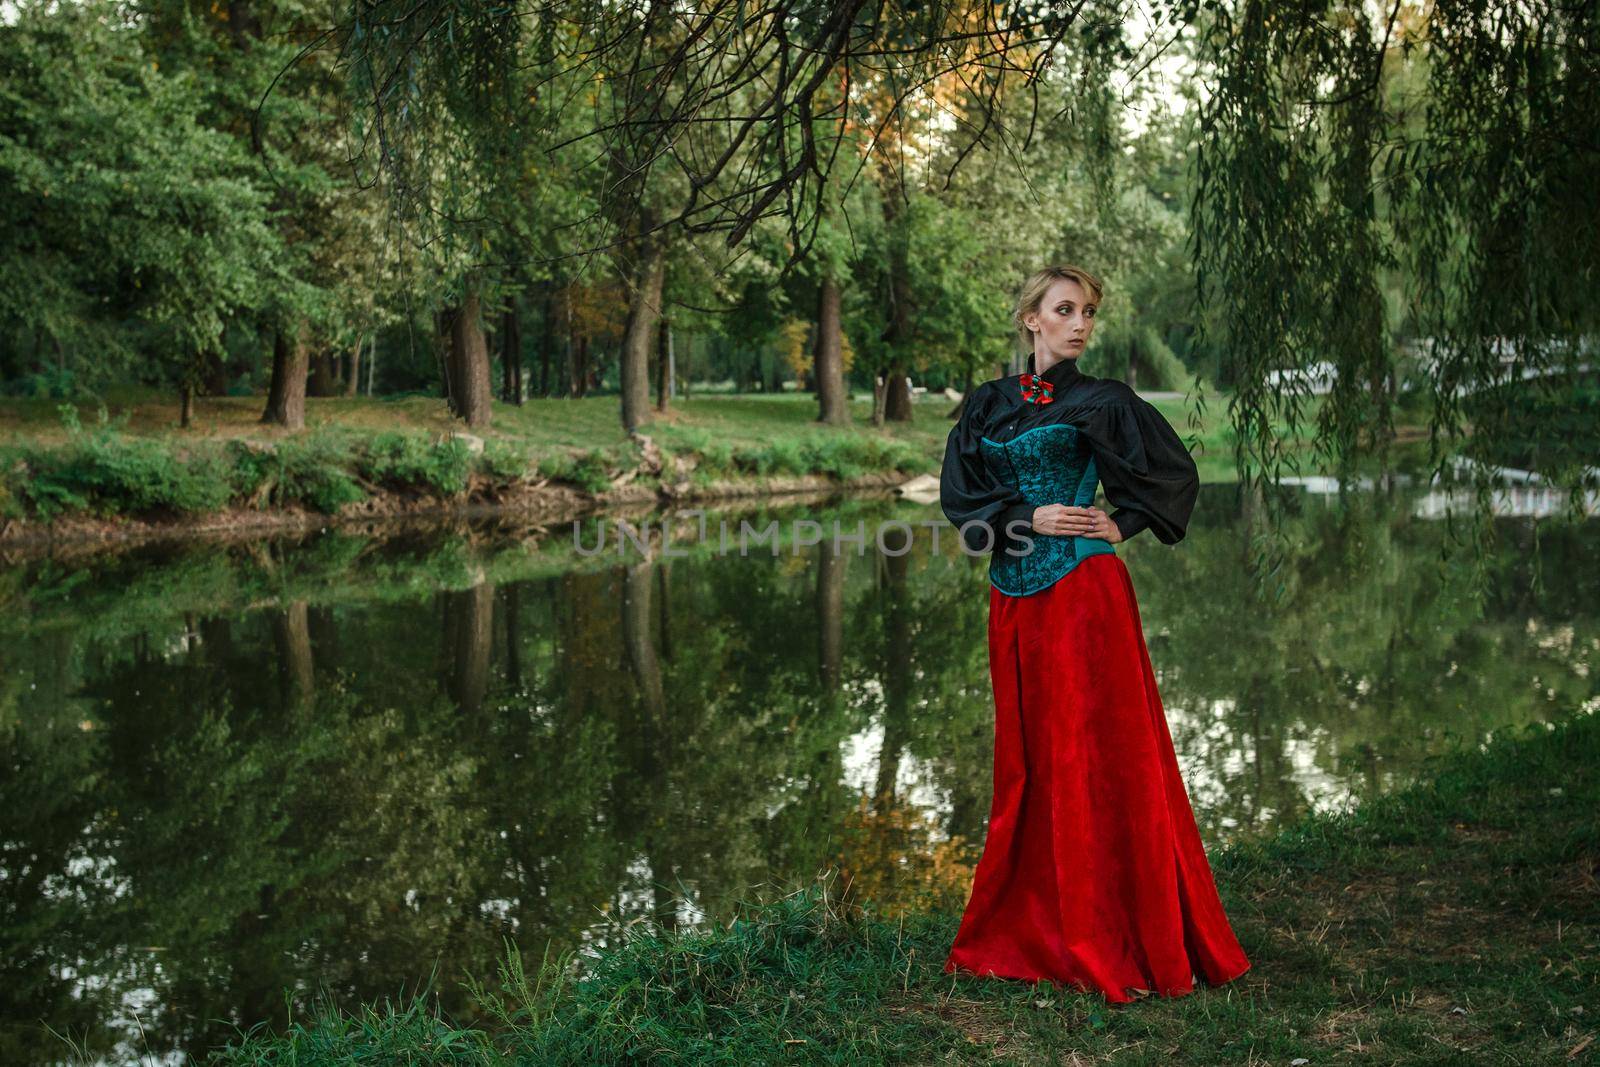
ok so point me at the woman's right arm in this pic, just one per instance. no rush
(968, 491)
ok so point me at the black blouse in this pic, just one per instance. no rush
(1147, 473)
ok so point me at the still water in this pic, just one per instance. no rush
(341, 764)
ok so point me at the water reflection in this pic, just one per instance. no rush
(343, 762)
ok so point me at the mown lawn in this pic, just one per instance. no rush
(550, 425)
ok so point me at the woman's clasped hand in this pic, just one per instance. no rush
(1065, 520)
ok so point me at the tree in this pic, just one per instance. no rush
(125, 216)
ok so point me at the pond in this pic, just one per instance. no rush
(347, 764)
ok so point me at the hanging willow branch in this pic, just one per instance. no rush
(1444, 154)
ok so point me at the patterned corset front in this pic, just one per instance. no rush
(1047, 465)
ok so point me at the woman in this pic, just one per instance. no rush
(1093, 874)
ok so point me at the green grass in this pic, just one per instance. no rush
(1454, 921)
(540, 424)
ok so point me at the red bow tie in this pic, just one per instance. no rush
(1035, 389)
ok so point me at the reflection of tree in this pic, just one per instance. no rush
(511, 597)
(649, 739)
(1372, 649)
(250, 849)
(291, 637)
(893, 856)
(52, 769)
(830, 617)
(638, 643)
(468, 645)
(896, 670)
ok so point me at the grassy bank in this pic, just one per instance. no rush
(1457, 920)
(131, 467)
(61, 462)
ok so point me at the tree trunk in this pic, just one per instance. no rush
(663, 363)
(442, 318)
(688, 353)
(216, 375)
(324, 376)
(828, 357)
(511, 353)
(672, 365)
(1133, 363)
(547, 338)
(286, 397)
(897, 395)
(352, 381)
(897, 332)
(644, 310)
(966, 393)
(580, 367)
(469, 363)
(185, 405)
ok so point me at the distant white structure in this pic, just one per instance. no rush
(1520, 492)
(1510, 351)
(1316, 379)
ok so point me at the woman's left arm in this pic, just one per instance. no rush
(1148, 474)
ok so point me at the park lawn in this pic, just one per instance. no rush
(1454, 920)
(550, 425)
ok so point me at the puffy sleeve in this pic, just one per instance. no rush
(1148, 474)
(968, 491)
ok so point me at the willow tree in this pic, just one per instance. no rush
(1444, 152)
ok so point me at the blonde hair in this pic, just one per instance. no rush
(1033, 290)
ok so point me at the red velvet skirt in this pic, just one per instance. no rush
(1093, 874)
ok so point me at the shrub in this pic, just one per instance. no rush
(411, 461)
(107, 474)
(590, 471)
(504, 460)
(294, 472)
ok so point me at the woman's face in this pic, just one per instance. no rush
(1065, 319)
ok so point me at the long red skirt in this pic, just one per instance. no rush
(1093, 874)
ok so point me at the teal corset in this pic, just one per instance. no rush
(1048, 465)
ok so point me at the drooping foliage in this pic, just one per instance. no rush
(1407, 198)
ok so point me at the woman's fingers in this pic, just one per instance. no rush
(1069, 520)
(1073, 521)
